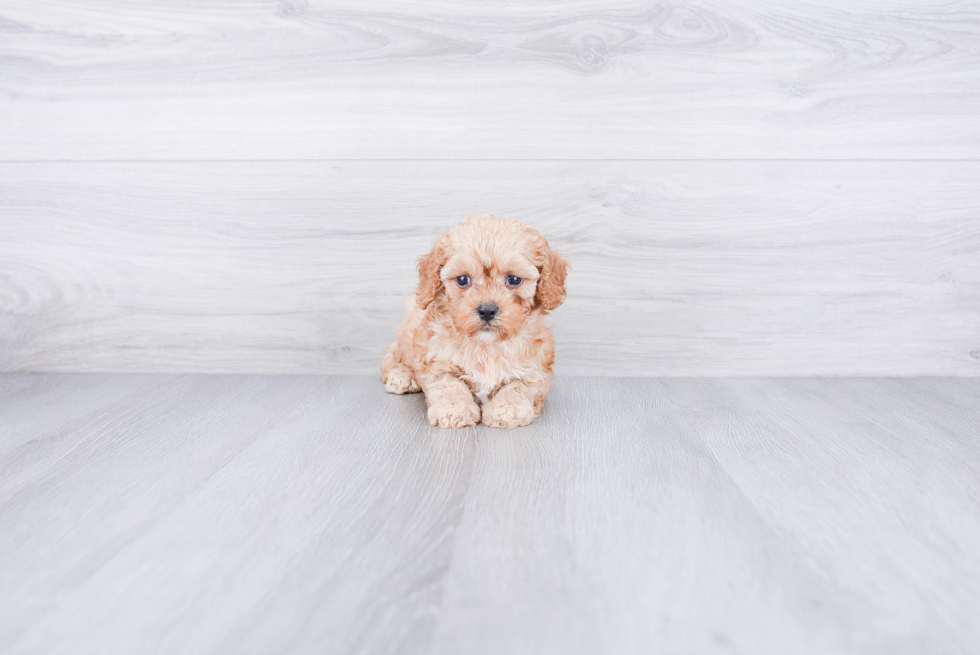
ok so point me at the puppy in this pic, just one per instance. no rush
(474, 338)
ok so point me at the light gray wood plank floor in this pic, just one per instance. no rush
(198, 514)
(292, 514)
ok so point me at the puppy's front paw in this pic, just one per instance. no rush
(507, 415)
(454, 415)
(401, 380)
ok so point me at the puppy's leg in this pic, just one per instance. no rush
(515, 404)
(451, 403)
(397, 377)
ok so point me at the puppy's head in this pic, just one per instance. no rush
(492, 273)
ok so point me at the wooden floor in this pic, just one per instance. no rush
(292, 514)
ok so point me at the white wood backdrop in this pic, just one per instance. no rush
(678, 267)
(261, 79)
(742, 188)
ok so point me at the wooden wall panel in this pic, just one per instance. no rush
(679, 268)
(253, 79)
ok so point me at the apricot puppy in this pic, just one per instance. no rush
(474, 338)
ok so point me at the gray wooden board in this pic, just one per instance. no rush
(678, 268)
(253, 79)
(209, 514)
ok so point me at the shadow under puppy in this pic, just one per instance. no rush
(474, 338)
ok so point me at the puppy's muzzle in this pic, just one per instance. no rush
(487, 311)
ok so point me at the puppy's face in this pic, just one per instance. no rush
(490, 294)
(492, 272)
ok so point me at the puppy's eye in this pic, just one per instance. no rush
(513, 280)
(463, 281)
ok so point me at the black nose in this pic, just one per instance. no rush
(487, 311)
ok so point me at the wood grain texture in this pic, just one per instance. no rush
(255, 79)
(678, 268)
(228, 514)
(719, 516)
(212, 514)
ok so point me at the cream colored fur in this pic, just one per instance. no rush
(471, 371)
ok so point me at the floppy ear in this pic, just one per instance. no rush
(429, 266)
(551, 284)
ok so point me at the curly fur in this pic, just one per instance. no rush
(471, 371)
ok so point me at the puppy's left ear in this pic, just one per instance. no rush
(551, 284)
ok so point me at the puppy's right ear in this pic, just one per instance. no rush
(429, 267)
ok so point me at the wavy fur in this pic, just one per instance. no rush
(498, 373)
